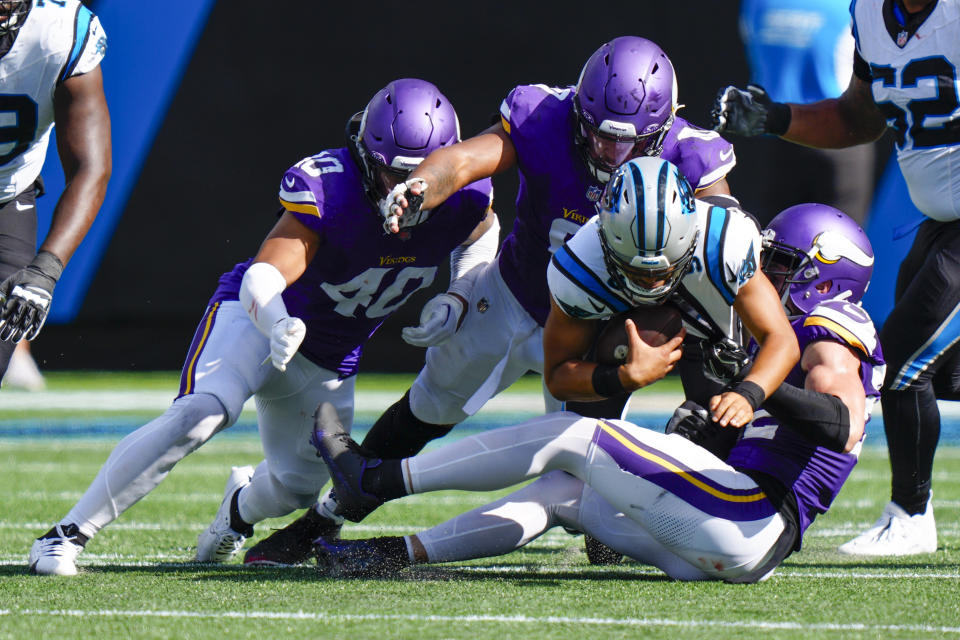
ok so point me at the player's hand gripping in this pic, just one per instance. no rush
(645, 364)
(749, 113)
(439, 319)
(286, 335)
(402, 206)
(25, 298)
(693, 422)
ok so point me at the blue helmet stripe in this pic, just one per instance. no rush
(587, 280)
(717, 219)
(639, 208)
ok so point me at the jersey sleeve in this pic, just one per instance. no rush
(702, 156)
(578, 279)
(731, 249)
(472, 201)
(841, 322)
(89, 44)
(302, 197)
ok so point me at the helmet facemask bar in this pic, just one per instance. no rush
(643, 285)
(785, 265)
(605, 151)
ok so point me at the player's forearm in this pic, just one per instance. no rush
(778, 354)
(833, 124)
(76, 211)
(573, 381)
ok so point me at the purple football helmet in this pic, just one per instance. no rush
(813, 253)
(625, 102)
(401, 125)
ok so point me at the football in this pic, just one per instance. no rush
(656, 325)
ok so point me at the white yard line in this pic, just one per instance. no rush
(489, 619)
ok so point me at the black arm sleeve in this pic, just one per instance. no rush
(821, 418)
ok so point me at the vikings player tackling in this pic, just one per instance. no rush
(564, 142)
(659, 499)
(289, 325)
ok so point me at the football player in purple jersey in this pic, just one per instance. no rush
(660, 499)
(288, 326)
(564, 142)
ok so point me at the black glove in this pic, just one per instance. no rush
(693, 422)
(725, 361)
(749, 113)
(25, 298)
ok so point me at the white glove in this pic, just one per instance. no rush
(439, 319)
(285, 338)
(396, 217)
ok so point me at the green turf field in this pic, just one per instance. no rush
(136, 580)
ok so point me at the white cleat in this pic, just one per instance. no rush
(55, 554)
(219, 542)
(896, 533)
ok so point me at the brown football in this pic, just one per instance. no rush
(656, 325)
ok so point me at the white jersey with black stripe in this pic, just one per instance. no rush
(914, 80)
(58, 40)
(726, 257)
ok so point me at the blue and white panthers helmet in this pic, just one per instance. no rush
(648, 228)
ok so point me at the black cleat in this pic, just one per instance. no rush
(599, 553)
(294, 543)
(347, 463)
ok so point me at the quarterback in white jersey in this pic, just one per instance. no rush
(652, 241)
(50, 54)
(905, 79)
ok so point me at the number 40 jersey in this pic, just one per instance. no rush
(912, 68)
(58, 40)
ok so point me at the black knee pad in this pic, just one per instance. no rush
(400, 434)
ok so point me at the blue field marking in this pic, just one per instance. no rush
(116, 427)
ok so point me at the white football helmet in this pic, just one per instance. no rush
(648, 228)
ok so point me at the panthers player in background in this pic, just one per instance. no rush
(905, 78)
(288, 326)
(702, 517)
(564, 142)
(50, 57)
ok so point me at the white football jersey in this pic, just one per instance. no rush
(727, 255)
(57, 41)
(915, 85)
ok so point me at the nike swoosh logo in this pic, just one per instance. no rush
(724, 156)
(597, 308)
(290, 182)
(22, 207)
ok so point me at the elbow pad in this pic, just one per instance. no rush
(260, 295)
(821, 418)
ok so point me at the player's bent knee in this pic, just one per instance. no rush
(197, 417)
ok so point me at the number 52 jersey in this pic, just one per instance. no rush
(58, 40)
(913, 71)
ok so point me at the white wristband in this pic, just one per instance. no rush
(260, 296)
(482, 250)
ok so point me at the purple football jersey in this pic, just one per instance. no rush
(557, 194)
(814, 474)
(360, 275)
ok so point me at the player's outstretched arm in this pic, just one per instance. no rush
(282, 259)
(568, 376)
(849, 120)
(449, 169)
(83, 140)
(83, 143)
(760, 310)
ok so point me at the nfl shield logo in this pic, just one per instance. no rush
(902, 38)
(594, 193)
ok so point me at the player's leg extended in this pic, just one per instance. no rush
(918, 339)
(217, 378)
(292, 475)
(690, 501)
